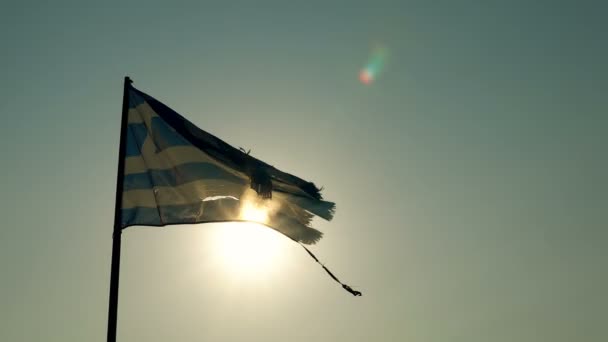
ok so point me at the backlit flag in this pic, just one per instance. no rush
(176, 173)
(172, 172)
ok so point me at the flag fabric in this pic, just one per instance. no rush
(176, 173)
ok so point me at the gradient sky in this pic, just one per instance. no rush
(470, 177)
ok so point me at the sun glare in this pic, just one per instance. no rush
(255, 213)
(249, 249)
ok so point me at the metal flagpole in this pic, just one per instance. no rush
(115, 272)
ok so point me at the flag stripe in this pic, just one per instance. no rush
(143, 113)
(214, 211)
(180, 174)
(218, 210)
(132, 148)
(194, 192)
(135, 98)
(161, 134)
(134, 117)
(187, 193)
(170, 158)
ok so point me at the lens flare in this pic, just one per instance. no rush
(365, 76)
(375, 66)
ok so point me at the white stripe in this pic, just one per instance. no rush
(142, 113)
(133, 117)
(135, 164)
(165, 159)
(138, 198)
(172, 157)
(188, 193)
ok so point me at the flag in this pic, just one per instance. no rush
(176, 173)
(172, 172)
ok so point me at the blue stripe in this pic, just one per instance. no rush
(225, 209)
(142, 216)
(135, 99)
(180, 174)
(136, 134)
(162, 134)
(137, 181)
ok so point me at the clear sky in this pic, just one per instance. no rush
(469, 177)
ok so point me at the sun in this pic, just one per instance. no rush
(249, 249)
(253, 212)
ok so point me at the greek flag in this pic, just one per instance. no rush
(176, 173)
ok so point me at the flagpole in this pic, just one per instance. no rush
(116, 236)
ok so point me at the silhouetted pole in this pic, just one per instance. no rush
(115, 272)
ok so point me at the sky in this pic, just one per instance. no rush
(469, 175)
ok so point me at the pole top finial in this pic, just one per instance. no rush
(128, 80)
